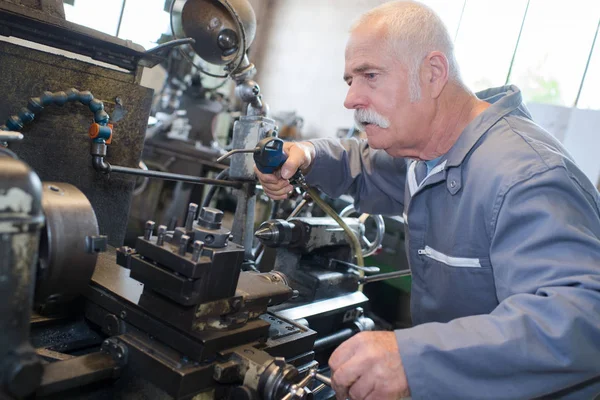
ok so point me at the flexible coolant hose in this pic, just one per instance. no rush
(331, 212)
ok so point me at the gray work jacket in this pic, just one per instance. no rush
(503, 240)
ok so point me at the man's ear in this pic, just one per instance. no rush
(435, 72)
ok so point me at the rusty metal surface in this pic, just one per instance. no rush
(79, 371)
(56, 144)
(54, 8)
(66, 263)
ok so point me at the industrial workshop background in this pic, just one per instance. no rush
(549, 50)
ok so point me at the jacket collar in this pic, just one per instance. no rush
(504, 100)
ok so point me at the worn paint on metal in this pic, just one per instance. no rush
(16, 200)
(24, 249)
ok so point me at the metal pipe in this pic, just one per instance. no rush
(172, 177)
(232, 152)
(213, 189)
(100, 164)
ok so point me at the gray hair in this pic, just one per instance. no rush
(413, 31)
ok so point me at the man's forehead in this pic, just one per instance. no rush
(366, 54)
(366, 41)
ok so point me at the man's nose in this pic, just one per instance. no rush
(354, 98)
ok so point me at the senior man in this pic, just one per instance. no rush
(502, 227)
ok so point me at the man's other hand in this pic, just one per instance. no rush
(368, 366)
(300, 157)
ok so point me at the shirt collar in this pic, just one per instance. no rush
(504, 100)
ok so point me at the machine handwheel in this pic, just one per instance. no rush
(370, 247)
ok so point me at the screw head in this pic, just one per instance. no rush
(211, 215)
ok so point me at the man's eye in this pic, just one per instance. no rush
(370, 76)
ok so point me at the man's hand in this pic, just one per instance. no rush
(300, 157)
(368, 366)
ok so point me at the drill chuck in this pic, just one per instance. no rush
(275, 233)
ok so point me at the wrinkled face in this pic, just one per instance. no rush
(379, 93)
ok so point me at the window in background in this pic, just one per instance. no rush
(484, 48)
(101, 17)
(450, 11)
(144, 21)
(553, 50)
(589, 97)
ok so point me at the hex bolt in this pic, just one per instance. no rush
(183, 242)
(198, 246)
(211, 217)
(148, 230)
(191, 216)
(160, 240)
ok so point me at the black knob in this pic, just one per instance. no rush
(228, 41)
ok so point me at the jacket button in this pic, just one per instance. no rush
(453, 184)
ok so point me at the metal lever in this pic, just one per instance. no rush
(383, 277)
(298, 390)
(365, 269)
(323, 379)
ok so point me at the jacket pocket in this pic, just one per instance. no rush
(460, 262)
(447, 287)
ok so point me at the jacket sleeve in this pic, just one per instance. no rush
(544, 336)
(373, 178)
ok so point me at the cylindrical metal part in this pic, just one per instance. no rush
(326, 380)
(183, 243)
(198, 246)
(160, 238)
(276, 232)
(67, 258)
(21, 218)
(334, 339)
(149, 229)
(191, 216)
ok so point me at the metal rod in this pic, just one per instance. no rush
(334, 339)
(587, 65)
(512, 61)
(9, 136)
(462, 13)
(298, 208)
(323, 379)
(319, 388)
(232, 152)
(121, 17)
(383, 277)
(174, 177)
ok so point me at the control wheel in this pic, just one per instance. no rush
(369, 246)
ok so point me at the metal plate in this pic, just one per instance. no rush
(56, 144)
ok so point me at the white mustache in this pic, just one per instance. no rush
(363, 116)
